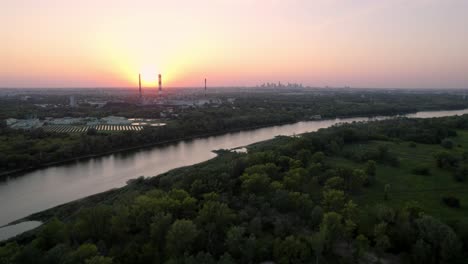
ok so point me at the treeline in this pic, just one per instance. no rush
(282, 202)
(31, 148)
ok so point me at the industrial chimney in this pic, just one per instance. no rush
(139, 83)
(160, 83)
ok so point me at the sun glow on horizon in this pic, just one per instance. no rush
(234, 43)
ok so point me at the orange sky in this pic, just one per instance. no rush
(360, 43)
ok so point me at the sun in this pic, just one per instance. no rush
(149, 77)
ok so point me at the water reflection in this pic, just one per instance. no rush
(14, 230)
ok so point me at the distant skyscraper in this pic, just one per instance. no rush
(73, 101)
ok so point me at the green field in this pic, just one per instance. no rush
(426, 190)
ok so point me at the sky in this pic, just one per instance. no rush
(357, 43)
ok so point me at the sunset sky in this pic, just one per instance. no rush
(358, 43)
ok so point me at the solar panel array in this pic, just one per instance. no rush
(83, 129)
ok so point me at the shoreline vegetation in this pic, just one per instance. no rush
(149, 145)
(375, 190)
(19, 172)
(236, 111)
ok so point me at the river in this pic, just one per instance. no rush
(44, 188)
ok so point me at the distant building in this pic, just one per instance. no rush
(73, 101)
(97, 104)
(24, 123)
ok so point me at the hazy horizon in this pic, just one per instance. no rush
(388, 44)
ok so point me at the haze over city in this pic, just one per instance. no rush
(362, 43)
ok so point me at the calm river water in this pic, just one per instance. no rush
(45, 188)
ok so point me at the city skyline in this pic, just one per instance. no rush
(369, 44)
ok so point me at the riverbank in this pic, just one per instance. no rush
(138, 185)
(19, 172)
(149, 145)
(65, 185)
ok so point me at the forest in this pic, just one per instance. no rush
(391, 191)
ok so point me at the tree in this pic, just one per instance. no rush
(332, 227)
(316, 216)
(215, 218)
(421, 252)
(82, 253)
(445, 245)
(255, 183)
(317, 241)
(304, 155)
(3, 124)
(447, 143)
(382, 241)
(290, 250)
(180, 237)
(53, 233)
(451, 201)
(333, 200)
(318, 157)
(349, 229)
(93, 223)
(335, 182)
(356, 180)
(461, 173)
(351, 211)
(99, 260)
(57, 255)
(386, 191)
(446, 160)
(234, 240)
(91, 132)
(295, 178)
(161, 224)
(370, 170)
(215, 213)
(361, 247)
(9, 252)
(226, 259)
(269, 169)
(421, 170)
(412, 210)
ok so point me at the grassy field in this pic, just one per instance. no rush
(427, 190)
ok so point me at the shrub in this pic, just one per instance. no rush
(451, 201)
(447, 143)
(445, 159)
(421, 170)
(461, 173)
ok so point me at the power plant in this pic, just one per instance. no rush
(143, 100)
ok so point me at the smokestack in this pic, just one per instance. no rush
(160, 82)
(205, 84)
(139, 82)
